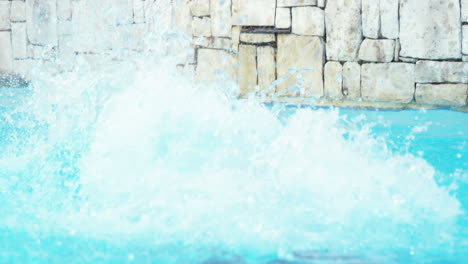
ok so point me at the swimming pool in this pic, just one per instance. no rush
(187, 175)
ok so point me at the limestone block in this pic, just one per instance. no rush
(253, 13)
(300, 62)
(441, 72)
(5, 15)
(257, 38)
(220, 11)
(343, 26)
(442, 94)
(308, 21)
(465, 58)
(388, 82)
(266, 69)
(200, 8)
(370, 18)
(138, 11)
(321, 3)
(17, 11)
(389, 24)
(247, 73)
(465, 39)
(430, 29)
(215, 65)
(19, 40)
(64, 10)
(181, 17)
(352, 80)
(464, 10)
(373, 50)
(6, 56)
(213, 43)
(333, 80)
(397, 50)
(283, 18)
(235, 38)
(201, 27)
(41, 19)
(290, 3)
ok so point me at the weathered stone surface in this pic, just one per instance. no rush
(381, 50)
(235, 38)
(464, 10)
(64, 10)
(388, 82)
(215, 65)
(333, 80)
(441, 72)
(343, 26)
(18, 11)
(5, 15)
(201, 27)
(396, 56)
(300, 56)
(247, 73)
(200, 7)
(6, 57)
(289, 3)
(321, 3)
(308, 21)
(465, 39)
(253, 13)
(465, 58)
(41, 22)
(213, 43)
(389, 24)
(220, 11)
(266, 69)
(19, 40)
(139, 11)
(370, 18)
(179, 18)
(283, 18)
(430, 29)
(352, 80)
(442, 94)
(257, 38)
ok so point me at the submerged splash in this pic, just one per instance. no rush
(135, 162)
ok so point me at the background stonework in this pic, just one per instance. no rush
(363, 51)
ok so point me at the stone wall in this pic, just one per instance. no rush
(344, 52)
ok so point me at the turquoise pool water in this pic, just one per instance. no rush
(142, 178)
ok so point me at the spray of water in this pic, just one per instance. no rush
(134, 148)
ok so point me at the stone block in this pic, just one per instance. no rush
(370, 18)
(19, 40)
(464, 10)
(201, 27)
(266, 69)
(283, 18)
(465, 58)
(300, 62)
(139, 11)
(442, 94)
(6, 56)
(333, 76)
(441, 72)
(343, 26)
(321, 3)
(352, 80)
(5, 15)
(41, 19)
(257, 38)
(247, 74)
(430, 29)
(64, 9)
(389, 15)
(253, 13)
(213, 43)
(235, 38)
(388, 82)
(308, 21)
(200, 8)
(180, 17)
(220, 11)
(373, 50)
(290, 3)
(465, 39)
(18, 11)
(213, 65)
